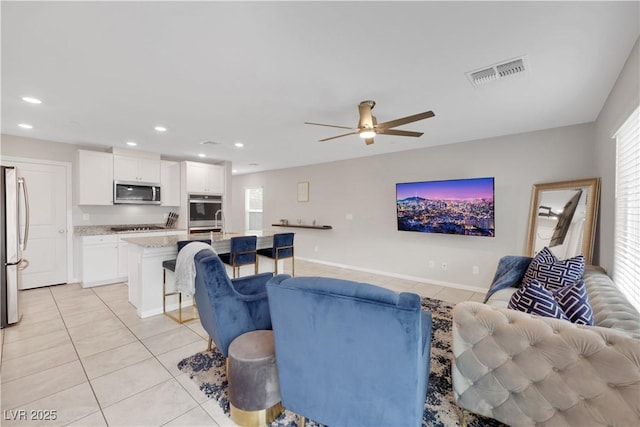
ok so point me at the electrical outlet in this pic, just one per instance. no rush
(432, 264)
(349, 217)
(476, 269)
(444, 265)
(315, 248)
(85, 217)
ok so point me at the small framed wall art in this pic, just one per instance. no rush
(303, 191)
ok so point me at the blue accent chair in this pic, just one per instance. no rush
(243, 252)
(348, 353)
(170, 265)
(229, 307)
(282, 248)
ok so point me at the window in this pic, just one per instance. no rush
(253, 209)
(626, 258)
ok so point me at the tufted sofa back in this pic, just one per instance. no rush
(527, 370)
(610, 307)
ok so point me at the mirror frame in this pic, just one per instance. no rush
(593, 198)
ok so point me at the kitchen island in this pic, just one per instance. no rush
(146, 255)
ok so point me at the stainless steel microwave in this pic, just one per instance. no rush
(136, 193)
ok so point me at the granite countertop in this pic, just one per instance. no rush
(164, 241)
(156, 241)
(95, 230)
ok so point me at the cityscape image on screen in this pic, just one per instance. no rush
(460, 206)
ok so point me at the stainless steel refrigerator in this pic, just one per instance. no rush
(14, 220)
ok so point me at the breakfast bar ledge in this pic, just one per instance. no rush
(146, 255)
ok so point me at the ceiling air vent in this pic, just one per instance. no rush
(497, 71)
(208, 142)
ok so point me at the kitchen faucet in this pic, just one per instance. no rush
(221, 221)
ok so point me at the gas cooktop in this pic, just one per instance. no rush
(124, 228)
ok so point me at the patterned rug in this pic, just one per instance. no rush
(208, 370)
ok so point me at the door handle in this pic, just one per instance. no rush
(25, 194)
(61, 231)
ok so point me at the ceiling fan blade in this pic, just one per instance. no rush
(339, 136)
(399, 132)
(405, 120)
(366, 119)
(369, 141)
(331, 126)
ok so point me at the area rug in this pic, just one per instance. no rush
(207, 369)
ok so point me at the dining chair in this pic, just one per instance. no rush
(282, 248)
(242, 252)
(170, 265)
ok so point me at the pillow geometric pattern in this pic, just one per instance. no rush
(574, 301)
(535, 299)
(552, 273)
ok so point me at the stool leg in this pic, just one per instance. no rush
(210, 345)
(303, 421)
(164, 290)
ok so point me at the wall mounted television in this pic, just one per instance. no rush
(457, 206)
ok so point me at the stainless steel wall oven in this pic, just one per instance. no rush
(205, 213)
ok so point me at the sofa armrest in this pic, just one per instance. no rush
(250, 288)
(523, 369)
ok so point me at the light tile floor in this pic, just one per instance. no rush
(84, 358)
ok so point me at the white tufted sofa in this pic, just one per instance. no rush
(527, 370)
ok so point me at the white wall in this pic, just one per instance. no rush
(365, 189)
(622, 101)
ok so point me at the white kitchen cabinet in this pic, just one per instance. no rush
(130, 168)
(204, 178)
(94, 178)
(99, 259)
(170, 183)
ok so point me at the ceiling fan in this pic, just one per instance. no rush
(368, 126)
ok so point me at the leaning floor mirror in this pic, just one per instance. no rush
(563, 218)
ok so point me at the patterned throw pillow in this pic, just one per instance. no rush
(574, 301)
(535, 299)
(552, 273)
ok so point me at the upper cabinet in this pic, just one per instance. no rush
(170, 183)
(204, 178)
(130, 165)
(95, 178)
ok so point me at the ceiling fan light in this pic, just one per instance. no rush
(367, 134)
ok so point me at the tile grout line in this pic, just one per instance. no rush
(79, 361)
(157, 360)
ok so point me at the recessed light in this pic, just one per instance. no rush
(160, 128)
(131, 143)
(31, 100)
(202, 155)
(25, 126)
(239, 144)
(234, 170)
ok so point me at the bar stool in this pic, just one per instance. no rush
(243, 252)
(171, 266)
(282, 248)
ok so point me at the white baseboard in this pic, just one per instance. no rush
(401, 276)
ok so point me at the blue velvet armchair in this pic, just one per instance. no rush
(350, 354)
(229, 307)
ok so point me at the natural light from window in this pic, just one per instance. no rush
(253, 209)
(626, 261)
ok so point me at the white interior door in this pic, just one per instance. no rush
(47, 246)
